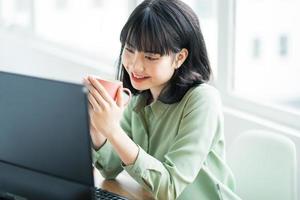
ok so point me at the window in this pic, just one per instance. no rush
(260, 72)
(256, 49)
(207, 13)
(253, 76)
(90, 26)
(283, 45)
(79, 28)
(16, 14)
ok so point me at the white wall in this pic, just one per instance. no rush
(28, 56)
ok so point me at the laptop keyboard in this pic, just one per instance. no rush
(101, 194)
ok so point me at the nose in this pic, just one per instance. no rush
(137, 64)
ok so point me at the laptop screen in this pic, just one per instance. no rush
(44, 127)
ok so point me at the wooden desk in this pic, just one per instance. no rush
(124, 185)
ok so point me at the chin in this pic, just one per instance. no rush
(139, 87)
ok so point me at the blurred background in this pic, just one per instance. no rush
(253, 47)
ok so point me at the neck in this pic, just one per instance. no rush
(154, 95)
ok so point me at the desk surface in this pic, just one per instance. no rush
(124, 185)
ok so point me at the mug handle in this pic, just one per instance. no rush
(126, 90)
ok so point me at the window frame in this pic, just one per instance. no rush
(226, 65)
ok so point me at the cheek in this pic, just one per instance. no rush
(124, 61)
(163, 71)
(167, 67)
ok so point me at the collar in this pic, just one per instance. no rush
(157, 107)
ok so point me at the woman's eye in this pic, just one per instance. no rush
(129, 50)
(151, 58)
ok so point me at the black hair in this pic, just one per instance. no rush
(165, 27)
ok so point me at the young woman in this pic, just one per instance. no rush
(170, 137)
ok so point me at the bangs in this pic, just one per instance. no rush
(147, 32)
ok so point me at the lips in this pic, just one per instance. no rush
(138, 78)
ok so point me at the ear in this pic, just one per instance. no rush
(180, 58)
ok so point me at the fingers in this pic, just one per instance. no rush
(85, 81)
(93, 102)
(104, 94)
(95, 98)
(97, 93)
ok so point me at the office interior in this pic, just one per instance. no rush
(253, 47)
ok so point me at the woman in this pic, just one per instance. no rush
(170, 137)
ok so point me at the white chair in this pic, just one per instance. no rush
(264, 165)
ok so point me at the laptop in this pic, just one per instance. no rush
(45, 147)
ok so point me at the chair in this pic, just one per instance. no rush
(264, 165)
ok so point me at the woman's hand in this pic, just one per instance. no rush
(105, 113)
(98, 139)
(105, 116)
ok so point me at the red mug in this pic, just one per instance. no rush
(112, 86)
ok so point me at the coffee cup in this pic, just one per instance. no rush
(112, 87)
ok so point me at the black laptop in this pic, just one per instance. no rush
(45, 147)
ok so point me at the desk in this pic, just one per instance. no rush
(124, 185)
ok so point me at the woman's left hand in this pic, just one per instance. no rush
(106, 113)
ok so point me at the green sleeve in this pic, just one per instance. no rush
(199, 124)
(106, 160)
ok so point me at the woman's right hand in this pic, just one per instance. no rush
(98, 139)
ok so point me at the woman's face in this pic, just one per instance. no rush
(148, 70)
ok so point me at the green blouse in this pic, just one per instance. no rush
(181, 147)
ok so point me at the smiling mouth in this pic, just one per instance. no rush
(138, 78)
